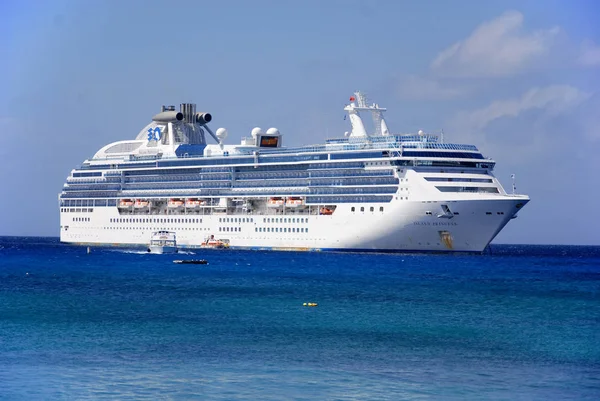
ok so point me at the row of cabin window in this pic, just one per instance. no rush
(81, 219)
(236, 220)
(154, 228)
(362, 209)
(285, 220)
(268, 229)
(144, 220)
(282, 229)
(235, 229)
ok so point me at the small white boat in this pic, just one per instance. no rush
(212, 242)
(163, 242)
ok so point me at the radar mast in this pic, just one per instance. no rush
(358, 103)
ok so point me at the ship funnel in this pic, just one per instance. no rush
(203, 118)
(168, 117)
(189, 111)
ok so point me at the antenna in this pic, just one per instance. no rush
(514, 186)
(442, 136)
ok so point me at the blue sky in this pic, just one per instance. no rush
(519, 79)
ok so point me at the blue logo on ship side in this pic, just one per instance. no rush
(154, 134)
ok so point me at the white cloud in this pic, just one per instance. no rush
(532, 126)
(419, 88)
(553, 100)
(496, 48)
(590, 54)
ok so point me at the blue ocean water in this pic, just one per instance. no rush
(521, 322)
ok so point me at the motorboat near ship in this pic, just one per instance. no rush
(163, 242)
(212, 242)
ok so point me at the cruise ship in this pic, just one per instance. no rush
(368, 190)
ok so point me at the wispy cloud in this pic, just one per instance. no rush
(414, 87)
(553, 99)
(499, 47)
(533, 125)
(590, 54)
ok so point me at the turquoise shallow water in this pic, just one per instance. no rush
(521, 322)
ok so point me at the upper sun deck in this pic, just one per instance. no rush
(181, 135)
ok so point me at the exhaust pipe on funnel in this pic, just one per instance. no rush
(203, 118)
(168, 117)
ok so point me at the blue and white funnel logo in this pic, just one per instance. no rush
(154, 134)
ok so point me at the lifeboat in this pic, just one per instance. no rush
(193, 203)
(294, 201)
(326, 211)
(125, 203)
(141, 204)
(275, 202)
(175, 203)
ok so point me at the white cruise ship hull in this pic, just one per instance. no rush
(402, 226)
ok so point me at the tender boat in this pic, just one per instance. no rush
(141, 204)
(294, 201)
(212, 242)
(175, 203)
(163, 242)
(194, 203)
(125, 204)
(325, 211)
(276, 202)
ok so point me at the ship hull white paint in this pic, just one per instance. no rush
(403, 226)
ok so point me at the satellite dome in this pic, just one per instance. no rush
(256, 131)
(273, 131)
(421, 133)
(221, 134)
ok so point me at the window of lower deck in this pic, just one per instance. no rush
(491, 190)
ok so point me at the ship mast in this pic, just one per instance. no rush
(358, 103)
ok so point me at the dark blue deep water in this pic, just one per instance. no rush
(519, 323)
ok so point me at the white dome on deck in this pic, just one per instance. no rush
(256, 131)
(221, 134)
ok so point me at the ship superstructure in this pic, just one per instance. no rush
(365, 191)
